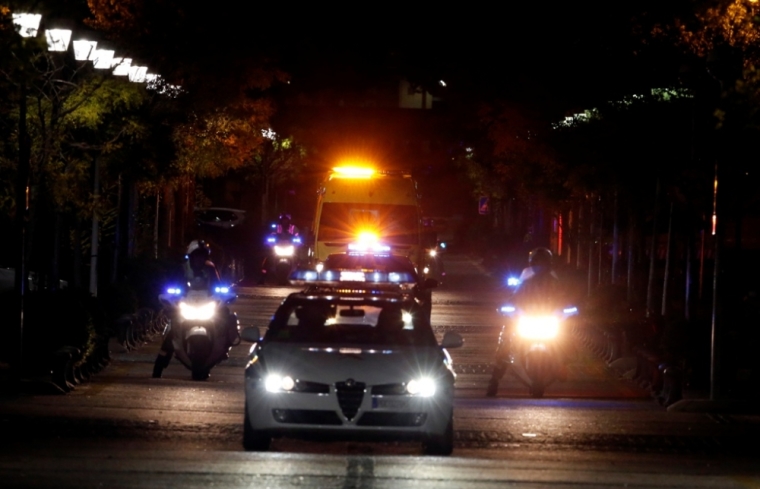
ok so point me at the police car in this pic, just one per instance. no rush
(367, 259)
(351, 355)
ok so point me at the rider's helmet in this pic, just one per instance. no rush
(540, 257)
(197, 253)
(199, 247)
(284, 218)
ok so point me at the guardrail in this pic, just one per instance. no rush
(625, 346)
(72, 367)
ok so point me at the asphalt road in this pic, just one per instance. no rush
(125, 429)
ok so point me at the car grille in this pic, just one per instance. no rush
(306, 387)
(392, 419)
(350, 395)
(389, 390)
(306, 416)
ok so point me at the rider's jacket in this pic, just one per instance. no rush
(205, 278)
(289, 229)
(539, 288)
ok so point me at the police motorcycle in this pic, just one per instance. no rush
(283, 256)
(200, 325)
(433, 262)
(535, 339)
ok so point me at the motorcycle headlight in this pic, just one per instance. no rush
(538, 327)
(284, 250)
(279, 383)
(423, 387)
(197, 312)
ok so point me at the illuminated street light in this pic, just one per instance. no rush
(27, 24)
(58, 39)
(121, 66)
(138, 74)
(84, 50)
(102, 59)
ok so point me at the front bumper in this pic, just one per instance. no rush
(348, 412)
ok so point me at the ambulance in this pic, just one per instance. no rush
(358, 201)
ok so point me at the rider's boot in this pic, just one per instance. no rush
(162, 361)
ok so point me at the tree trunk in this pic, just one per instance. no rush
(687, 285)
(664, 308)
(631, 255)
(615, 239)
(77, 245)
(94, 233)
(117, 233)
(652, 254)
(155, 224)
(600, 246)
(579, 236)
(132, 207)
(591, 249)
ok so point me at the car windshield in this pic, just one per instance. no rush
(349, 322)
(397, 223)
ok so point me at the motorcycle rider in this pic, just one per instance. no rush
(539, 287)
(200, 273)
(284, 228)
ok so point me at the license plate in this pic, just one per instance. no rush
(389, 403)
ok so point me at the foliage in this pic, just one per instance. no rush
(730, 23)
(214, 143)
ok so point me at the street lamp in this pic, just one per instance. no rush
(121, 66)
(101, 59)
(26, 24)
(84, 49)
(58, 39)
(138, 74)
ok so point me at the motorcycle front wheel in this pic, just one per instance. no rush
(201, 374)
(538, 371)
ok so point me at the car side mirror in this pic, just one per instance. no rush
(452, 340)
(251, 334)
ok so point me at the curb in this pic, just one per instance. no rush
(727, 406)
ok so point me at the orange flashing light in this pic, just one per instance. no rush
(367, 237)
(353, 172)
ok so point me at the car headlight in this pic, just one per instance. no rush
(423, 387)
(284, 250)
(279, 383)
(200, 312)
(538, 327)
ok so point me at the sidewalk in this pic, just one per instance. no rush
(34, 386)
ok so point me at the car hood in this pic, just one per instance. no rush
(338, 363)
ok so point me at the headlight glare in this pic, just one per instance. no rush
(538, 327)
(423, 387)
(279, 383)
(202, 312)
(284, 250)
